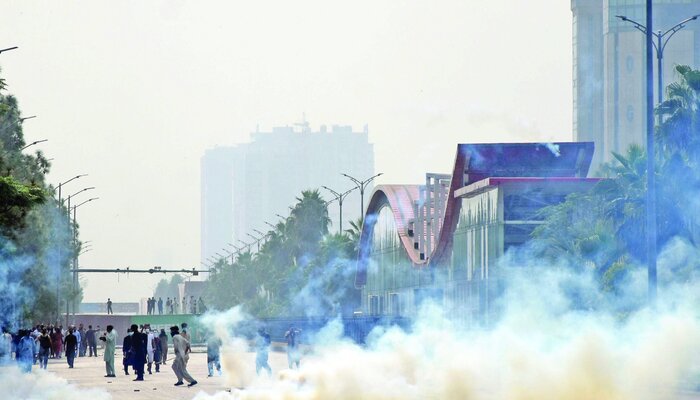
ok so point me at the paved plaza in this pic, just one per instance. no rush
(89, 373)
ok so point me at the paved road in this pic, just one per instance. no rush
(89, 373)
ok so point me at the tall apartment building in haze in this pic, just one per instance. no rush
(609, 68)
(246, 185)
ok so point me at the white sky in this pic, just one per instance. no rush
(133, 92)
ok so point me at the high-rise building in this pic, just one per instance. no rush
(247, 185)
(609, 68)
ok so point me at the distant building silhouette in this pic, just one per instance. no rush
(245, 185)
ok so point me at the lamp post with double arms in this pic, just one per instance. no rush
(362, 185)
(662, 39)
(340, 197)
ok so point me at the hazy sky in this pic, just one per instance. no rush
(133, 92)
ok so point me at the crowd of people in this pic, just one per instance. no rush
(143, 349)
(40, 343)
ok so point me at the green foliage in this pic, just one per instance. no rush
(605, 228)
(300, 269)
(36, 240)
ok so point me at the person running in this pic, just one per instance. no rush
(180, 346)
(109, 308)
(110, 340)
(163, 346)
(293, 355)
(71, 347)
(44, 349)
(262, 346)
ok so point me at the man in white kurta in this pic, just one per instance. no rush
(110, 341)
(180, 345)
(149, 349)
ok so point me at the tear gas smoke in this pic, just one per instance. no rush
(42, 385)
(550, 342)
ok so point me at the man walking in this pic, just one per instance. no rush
(128, 354)
(138, 348)
(163, 346)
(110, 339)
(91, 341)
(180, 344)
(71, 347)
(109, 306)
(44, 349)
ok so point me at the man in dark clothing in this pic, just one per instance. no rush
(138, 348)
(160, 306)
(82, 346)
(128, 354)
(71, 347)
(91, 341)
(109, 306)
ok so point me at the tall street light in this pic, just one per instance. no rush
(246, 245)
(60, 185)
(340, 197)
(33, 143)
(75, 194)
(75, 259)
(362, 185)
(662, 39)
(8, 49)
(257, 240)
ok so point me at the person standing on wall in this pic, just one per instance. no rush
(160, 306)
(71, 347)
(180, 345)
(109, 306)
(110, 340)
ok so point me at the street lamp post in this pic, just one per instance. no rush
(362, 185)
(246, 245)
(340, 197)
(75, 259)
(257, 239)
(662, 39)
(77, 193)
(33, 143)
(63, 183)
(8, 49)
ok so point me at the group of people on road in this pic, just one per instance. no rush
(38, 344)
(143, 349)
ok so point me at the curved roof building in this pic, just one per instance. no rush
(440, 240)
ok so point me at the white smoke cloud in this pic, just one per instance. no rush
(550, 342)
(42, 385)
